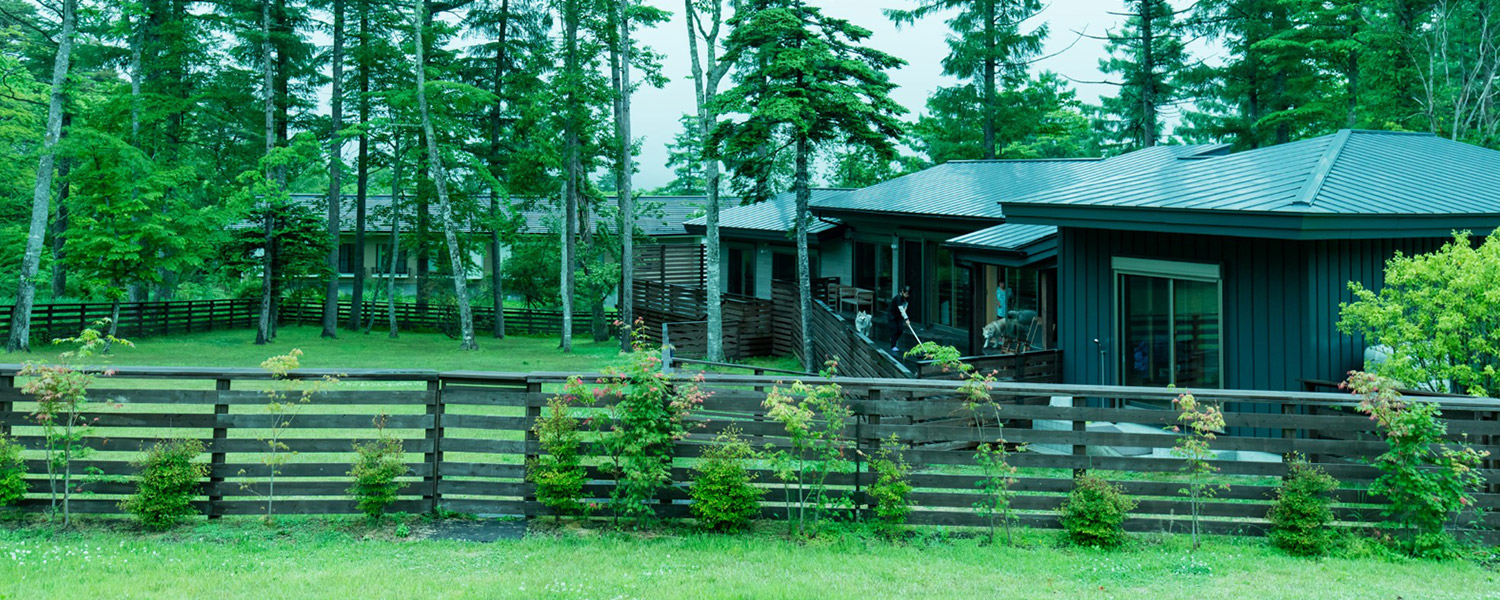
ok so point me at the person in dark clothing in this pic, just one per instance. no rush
(896, 317)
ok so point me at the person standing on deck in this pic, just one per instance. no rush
(897, 318)
(1002, 300)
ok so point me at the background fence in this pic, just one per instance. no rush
(468, 440)
(146, 319)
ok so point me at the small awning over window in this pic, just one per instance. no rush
(1008, 245)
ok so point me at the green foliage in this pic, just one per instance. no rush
(168, 481)
(724, 496)
(558, 472)
(786, 48)
(639, 432)
(12, 472)
(285, 402)
(1203, 422)
(1301, 518)
(1094, 513)
(815, 418)
(377, 466)
(61, 394)
(1439, 314)
(1146, 55)
(1427, 480)
(892, 488)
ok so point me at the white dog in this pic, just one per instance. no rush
(995, 333)
(862, 322)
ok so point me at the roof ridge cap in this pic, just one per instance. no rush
(1314, 183)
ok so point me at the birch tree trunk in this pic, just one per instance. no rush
(268, 258)
(572, 167)
(623, 193)
(705, 88)
(439, 181)
(335, 175)
(20, 321)
(395, 257)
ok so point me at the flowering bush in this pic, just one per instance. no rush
(638, 433)
(1426, 478)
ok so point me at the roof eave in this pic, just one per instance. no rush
(1270, 225)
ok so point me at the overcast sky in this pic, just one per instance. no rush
(922, 45)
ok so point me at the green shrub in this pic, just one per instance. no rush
(12, 472)
(723, 497)
(1094, 513)
(558, 472)
(892, 488)
(377, 465)
(1301, 518)
(167, 483)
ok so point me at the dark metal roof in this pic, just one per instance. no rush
(659, 216)
(776, 215)
(1008, 244)
(974, 189)
(1367, 184)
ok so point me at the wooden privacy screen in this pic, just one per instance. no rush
(467, 436)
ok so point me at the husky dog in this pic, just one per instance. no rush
(862, 322)
(994, 333)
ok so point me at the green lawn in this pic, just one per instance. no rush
(242, 559)
(351, 350)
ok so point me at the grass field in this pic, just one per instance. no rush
(315, 560)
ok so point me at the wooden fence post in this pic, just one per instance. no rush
(7, 404)
(533, 449)
(216, 461)
(872, 419)
(435, 437)
(1080, 427)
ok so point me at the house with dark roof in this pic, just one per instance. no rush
(1227, 271)
(659, 217)
(944, 232)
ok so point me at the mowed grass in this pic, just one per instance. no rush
(311, 561)
(375, 350)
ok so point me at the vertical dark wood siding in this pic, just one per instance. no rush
(1281, 301)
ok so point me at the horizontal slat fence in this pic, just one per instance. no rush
(468, 441)
(749, 322)
(438, 317)
(137, 319)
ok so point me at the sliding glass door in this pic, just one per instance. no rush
(1170, 316)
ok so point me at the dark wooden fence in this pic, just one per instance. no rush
(146, 319)
(1037, 366)
(468, 440)
(137, 319)
(833, 337)
(441, 317)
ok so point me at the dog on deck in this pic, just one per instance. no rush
(862, 323)
(996, 332)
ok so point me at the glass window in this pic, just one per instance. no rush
(1170, 327)
(784, 266)
(383, 260)
(346, 258)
